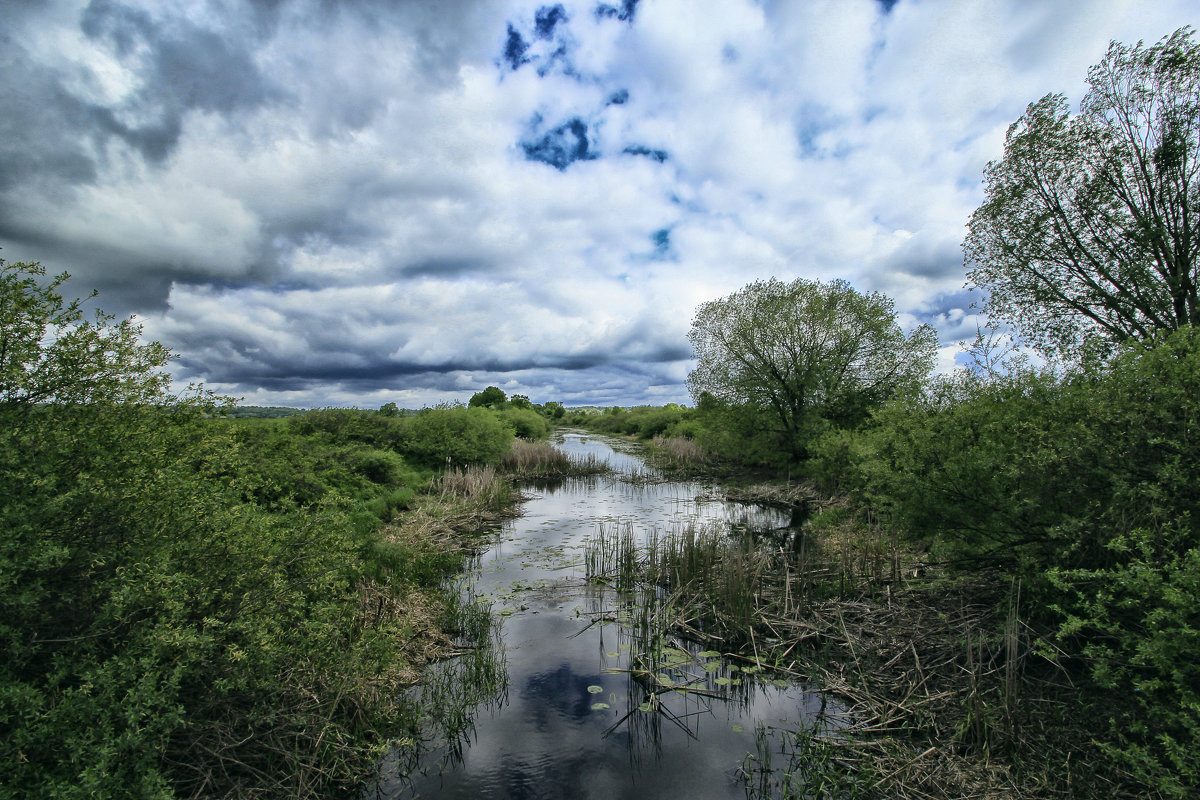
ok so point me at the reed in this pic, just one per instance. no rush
(528, 460)
(476, 485)
(677, 452)
(613, 557)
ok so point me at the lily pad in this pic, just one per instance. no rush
(709, 654)
(600, 706)
(593, 689)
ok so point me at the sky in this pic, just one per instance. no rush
(319, 203)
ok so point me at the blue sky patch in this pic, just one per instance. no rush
(641, 150)
(547, 18)
(515, 49)
(624, 12)
(562, 146)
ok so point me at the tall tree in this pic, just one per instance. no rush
(1090, 229)
(805, 350)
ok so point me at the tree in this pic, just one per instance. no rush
(50, 353)
(805, 351)
(491, 397)
(1090, 229)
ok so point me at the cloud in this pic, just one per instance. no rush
(320, 202)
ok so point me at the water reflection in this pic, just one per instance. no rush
(593, 706)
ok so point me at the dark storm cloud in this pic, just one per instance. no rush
(246, 362)
(443, 268)
(926, 258)
(182, 67)
(40, 127)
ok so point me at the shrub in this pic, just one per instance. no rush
(454, 435)
(525, 423)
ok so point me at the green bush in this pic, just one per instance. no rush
(457, 436)
(180, 597)
(1132, 611)
(526, 423)
(1084, 485)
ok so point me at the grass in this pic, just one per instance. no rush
(528, 460)
(678, 454)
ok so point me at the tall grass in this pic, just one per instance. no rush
(477, 485)
(528, 460)
(677, 452)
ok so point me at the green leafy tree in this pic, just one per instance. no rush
(491, 397)
(50, 353)
(805, 352)
(1090, 230)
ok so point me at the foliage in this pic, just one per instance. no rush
(525, 422)
(644, 422)
(1083, 485)
(50, 353)
(1132, 612)
(261, 412)
(1089, 228)
(182, 597)
(428, 439)
(989, 467)
(804, 351)
(459, 436)
(491, 397)
(745, 434)
(284, 469)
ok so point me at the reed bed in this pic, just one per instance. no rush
(678, 453)
(528, 460)
(948, 691)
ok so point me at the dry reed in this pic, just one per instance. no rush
(528, 460)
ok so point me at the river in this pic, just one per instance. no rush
(568, 719)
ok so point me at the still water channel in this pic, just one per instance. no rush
(569, 719)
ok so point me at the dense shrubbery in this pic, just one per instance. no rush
(1084, 486)
(184, 600)
(644, 422)
(163, 631)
